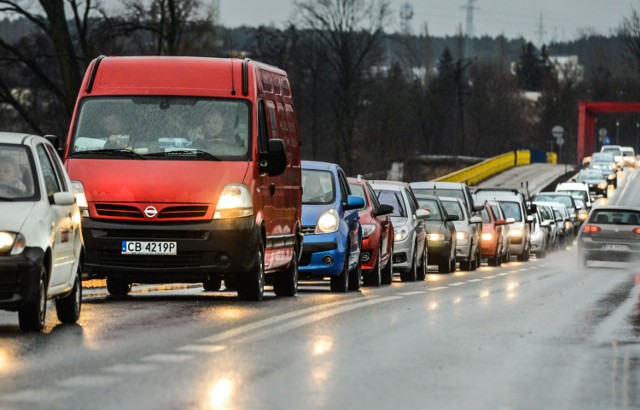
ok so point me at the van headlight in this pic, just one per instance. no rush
(461, 236)
(81, 198)
(435, 237)
(235, 202)
(328, 222)
(487, 236)
(12, 243)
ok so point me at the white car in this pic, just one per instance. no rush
(628, 156)
(40, 237)
(616, 150)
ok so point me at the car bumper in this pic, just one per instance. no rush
(204, 248)
(463, 250)
(603, 251)
(439, 251)
(402, 255)
(19, 278)
(323, 255)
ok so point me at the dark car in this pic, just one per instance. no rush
(441, 234)
(596, 180)
(376, 256)
(612, 233)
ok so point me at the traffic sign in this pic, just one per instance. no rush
(557, 131)
(560, 141)
(602, 132)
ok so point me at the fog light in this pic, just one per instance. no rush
(327, 260)
(223, 259)
(365, 256)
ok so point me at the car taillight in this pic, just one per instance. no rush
(591, 228)
(636, 230)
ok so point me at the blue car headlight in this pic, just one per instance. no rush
(328, 222)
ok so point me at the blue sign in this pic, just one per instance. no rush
(606, 141)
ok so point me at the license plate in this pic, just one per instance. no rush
(149, 248)
(614, 247)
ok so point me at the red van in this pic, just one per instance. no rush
(191, 172)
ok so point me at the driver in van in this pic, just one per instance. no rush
(115, 131)
(215, 130)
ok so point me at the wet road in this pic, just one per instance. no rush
(527, 335)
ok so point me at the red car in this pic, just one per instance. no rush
(377, 235)
(494, 240)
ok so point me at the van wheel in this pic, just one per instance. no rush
(68, 307)
(32, 314)
(340, 283)
(212, 284)
(118, 287)
(251, 284)
(374, 276)
(286, 282)
(387, 271)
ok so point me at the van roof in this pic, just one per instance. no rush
(153, 75)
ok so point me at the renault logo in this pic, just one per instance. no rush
(150, 212)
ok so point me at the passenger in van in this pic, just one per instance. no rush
(10, 174)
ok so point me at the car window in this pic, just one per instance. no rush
(563, 199)
(372, 195)
(413, 202)
(52, 185)
(511, 210)
(344, 186)
(484, 214)
(454, 208)
(617, 217)
(55, 160)
(358, 190)
(393, 198)
(432, 206)
(497, 212)
(317, 187)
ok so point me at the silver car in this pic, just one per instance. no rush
(548, 219)
(467, 234)
(410, 242)
(612, 233)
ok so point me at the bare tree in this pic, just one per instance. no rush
(630, 33)
(350, 32)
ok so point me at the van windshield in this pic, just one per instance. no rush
(162, 127)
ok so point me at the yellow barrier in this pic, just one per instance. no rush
(487, 168)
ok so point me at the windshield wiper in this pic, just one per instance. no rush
(185, 153)
(123, 152)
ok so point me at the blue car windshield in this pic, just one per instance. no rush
(317, 187)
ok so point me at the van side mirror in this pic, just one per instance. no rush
(274, 161)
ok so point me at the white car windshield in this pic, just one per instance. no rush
(16, 173)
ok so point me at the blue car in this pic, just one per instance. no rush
(331, 227)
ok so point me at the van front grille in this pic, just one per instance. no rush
(183, 212)
(122, 211)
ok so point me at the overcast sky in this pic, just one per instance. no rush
(561, 19)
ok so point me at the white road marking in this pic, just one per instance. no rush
(412, 293)
(37, 395)
(131, 368)
(494, 276)
(273, 320)
(87, 381)
(201, 348)
(440, 288)
(303, 321)
(167, 358)
(457, 283)
(474, 280)
(504, 273)
(523, 269)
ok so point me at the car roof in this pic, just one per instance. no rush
(436, 185)
(427, 196)
(617, 208)
(572, 185)
(553, 193)
(387, 183)
(451, 199)
(15, 137)
(319, 165)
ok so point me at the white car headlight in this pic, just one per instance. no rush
(515, 233)
(401, 233)
(602, 185)
(235, 202)
(12, 243)
(368, 229)
(81, 199)
(328, 222)
(461, 236)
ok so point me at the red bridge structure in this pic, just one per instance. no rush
(587, 112)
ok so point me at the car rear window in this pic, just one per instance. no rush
(616, 217)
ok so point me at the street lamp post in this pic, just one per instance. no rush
(637, 131)
(617, 133)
